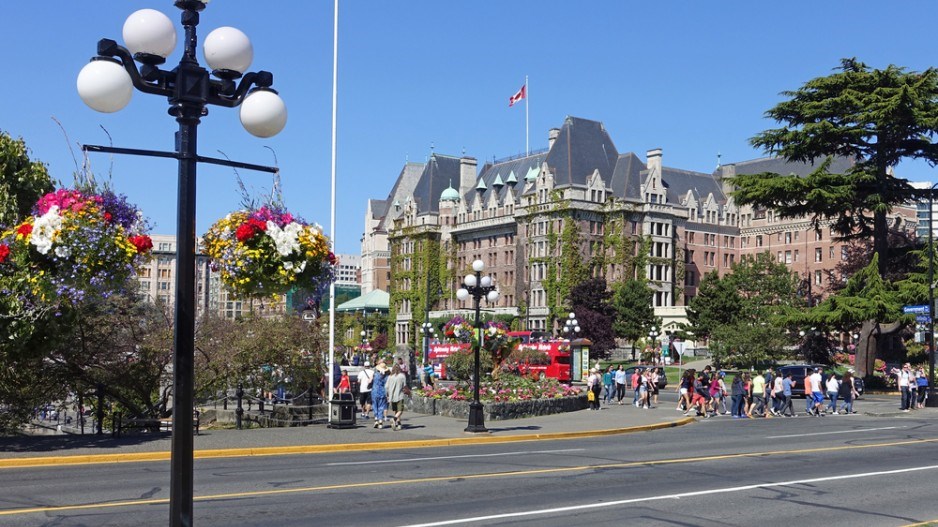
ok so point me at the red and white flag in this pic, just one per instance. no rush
(522, 93)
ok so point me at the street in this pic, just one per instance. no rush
(837, 470)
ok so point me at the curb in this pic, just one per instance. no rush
(140, 457)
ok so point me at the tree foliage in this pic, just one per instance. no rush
(742, 312)
(22, 180)
(875, 118)
(591, 304)
(632, 311)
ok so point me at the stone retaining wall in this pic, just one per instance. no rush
(496, 411)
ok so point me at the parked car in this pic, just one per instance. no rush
(798, 374)
(662, 377)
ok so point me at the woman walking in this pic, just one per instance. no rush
(594, 385)
(379, 394)
(395, 386)
(847, 392)
(921, 383)
(609, 383)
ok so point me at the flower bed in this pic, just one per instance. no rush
(510, 397)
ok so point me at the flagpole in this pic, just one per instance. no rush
(335, 72)
(527, 102)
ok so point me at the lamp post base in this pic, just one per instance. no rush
(476, 419)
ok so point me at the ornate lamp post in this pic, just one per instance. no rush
(426, 329)
(106, 84)
(477, 287)
(571, 327)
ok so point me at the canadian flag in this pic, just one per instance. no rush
(522, 93)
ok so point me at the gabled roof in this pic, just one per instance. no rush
(777, 165)
(626, 182)
(679, 182)
(491, 172)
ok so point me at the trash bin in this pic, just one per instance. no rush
(342, 411)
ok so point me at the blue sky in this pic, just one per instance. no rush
(693, 78)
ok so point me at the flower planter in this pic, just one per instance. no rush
(499, 411)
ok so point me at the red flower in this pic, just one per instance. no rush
(24, 229)
(107, 217)
(333, 259)
(4, 253)
(258, 225)
(245, 232)
(143, 243)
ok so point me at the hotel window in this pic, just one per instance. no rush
(818, 255)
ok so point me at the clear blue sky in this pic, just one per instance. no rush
(693, 78)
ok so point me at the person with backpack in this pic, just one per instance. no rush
(921, 384)
(364, 389)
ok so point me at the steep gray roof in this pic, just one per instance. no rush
(379, 207)
(439, 172)
(840, 165)
(582, 147)
(680, 181)
(627, 177)
(519, 167)
(402, 190)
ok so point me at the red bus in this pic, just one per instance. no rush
(558, 351)
(438, 354)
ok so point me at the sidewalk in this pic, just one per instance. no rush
(419, 431)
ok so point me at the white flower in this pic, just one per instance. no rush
(286, 239)
(45, 228)
(290, 266)
(63, 252)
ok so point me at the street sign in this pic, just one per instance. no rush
(916, 310)
(923, 319)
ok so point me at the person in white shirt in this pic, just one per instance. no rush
(817, 395)
(620, 384)
(364, 389)
(833, 388)
(904, 380)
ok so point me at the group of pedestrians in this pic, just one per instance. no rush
(913, 386)
(644, 384)
(708, 393)
(381, 389)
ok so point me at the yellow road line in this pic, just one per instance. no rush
(484, 475)
(90, 459)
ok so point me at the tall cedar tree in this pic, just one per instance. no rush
(876, 118)
(22, 181)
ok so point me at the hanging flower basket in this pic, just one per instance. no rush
(268, 252)
(76, 244)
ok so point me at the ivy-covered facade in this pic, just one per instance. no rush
(546, 221)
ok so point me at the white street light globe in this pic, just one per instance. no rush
(263, 113)
(149, 31)
(470, 280)
(486, 281)
(105, 86)
(462, 294)
(478, 266)
(577, 329)
(228, 48)
(492, 296)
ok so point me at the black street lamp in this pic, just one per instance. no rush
(477, 287)
(106, 84)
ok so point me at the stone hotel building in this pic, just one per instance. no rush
(577, 208)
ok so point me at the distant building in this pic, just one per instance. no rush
(575, 210)
(348, 272)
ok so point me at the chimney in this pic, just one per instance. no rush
(467, 174)
(552, 135)
(653, 162)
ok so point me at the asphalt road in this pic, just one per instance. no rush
(836, 470)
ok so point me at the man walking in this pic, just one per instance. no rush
(817, 395)
(904, 380)
(364, 389)
(786, 397)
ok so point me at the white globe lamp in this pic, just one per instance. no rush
(263, 113)
(149, 32)
(105, 86)
(228, 49)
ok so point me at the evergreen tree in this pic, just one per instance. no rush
(873, 117)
